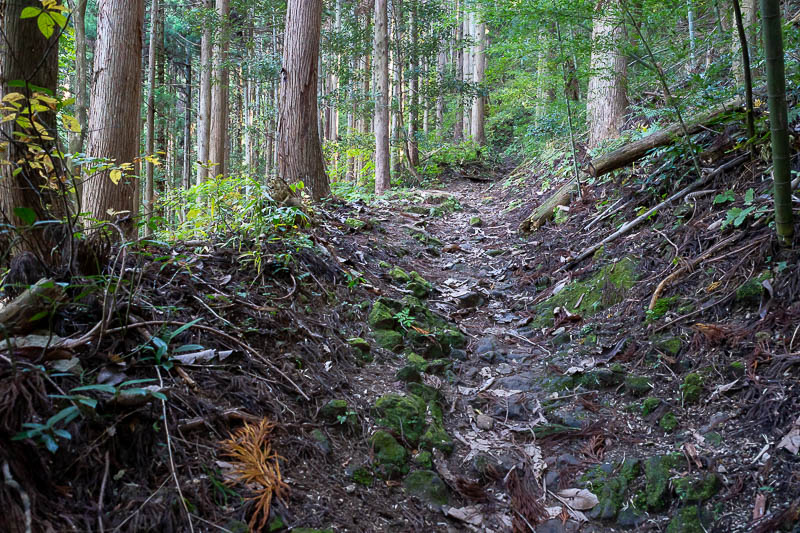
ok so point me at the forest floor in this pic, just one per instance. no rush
(425, 367)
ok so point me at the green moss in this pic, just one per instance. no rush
(475, 222)
(668, 422)
(429, 394)
(657, 471)
(355, 223)
(691, 388)
(686, 520)
(602, 378)
(382, 315)
(403, 414)
(333, 410)
(390, 457)
(611, 490)
(389, 339)
(408, 373)
(737, 369)
(660, 309)
(424, 459)
(427, 486)
(605, 288)
(649, 405)
(359, 344)
(276, 524)
(698, 489)
(669, 345)
(418, 285)
(399, 275)
(638, 385)
(310, 530)
(451, 338)
(435, 437)
(363, 476)
(749, 293)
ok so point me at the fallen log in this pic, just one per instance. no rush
(637, 149)
(544, 212)
(20, 314)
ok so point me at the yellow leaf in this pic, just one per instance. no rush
(13, 97)
(71, 123)
(116, 176)
(126, 166)
(153, 159)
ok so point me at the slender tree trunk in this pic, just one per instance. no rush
(28, 56)
(218, 137)
(748, 78)
(607, 101)
(541, 71)
(748, 16)
(151, 108)
(187, 122)
(413, 90)
(441, 59)
(81, 104)
(778, 119)
(458, 128)
(114, 110)
(204, 101)
(479, 105)
(380, 55)
(300, 152)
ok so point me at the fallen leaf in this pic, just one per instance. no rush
(204, 356)
(580, 499)
(791, 441)
(470, 515)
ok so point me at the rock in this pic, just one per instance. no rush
(691, 388)
(669, 345)
(524, 381)
(451, 338)
(350, 489)
(657, 488)
(603, 378)
(470, 299)
(382, 315)
(399, 275)
(403, 414)
(484, 422)
(361, 474)
(408, 373)
(688, 520)
(418, 285)
(697, 489)
(486, 344)
(612, 490)
(638, 385)
(476, 222)
(435, 437)
(389, 339)
(390, 457)
(428, 487)
(333, 410)
(359, 344)
(631, 518)
(494, 252)
(458, 353)
(321, 441)
(490, 467)
(424, 459)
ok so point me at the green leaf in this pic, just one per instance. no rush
(158, 395)
(26, 214)
(46, 25)
(63, 433)
(726, 196)
(30, 12)
(68, 414)
(102, 387)
(60, 19)
(184, 328)
(748, 196)
(49, 443)
(135, 382)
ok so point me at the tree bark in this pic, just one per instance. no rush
(218, 136)
(413, 90)
(458, 128)
(204, 102)
(299, 150)
(748, 16)
(114, 110)
(606, 101)
(30, 57)
(381, 57)
(479, 105)
(187, 122)
(151, 110)
(81, 104)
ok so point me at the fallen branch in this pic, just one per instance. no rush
(545, 211)
(637, 149)
(626, 228)
(15, 317)
(690, 265)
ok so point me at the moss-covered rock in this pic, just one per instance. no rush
(649, 405)
(356, 224)
(669, 345)
(435, 437)
(451, 338)
(382, 315)
(602, 378)
(697, 489)
(389, 339)
(321, 440)
(638, 385)
(687, 520)
(418, 285)
(429, 394)
(408, 374)
(399, 275)
(691, 388)
(660, 309)
(427, 486)
(359, 344)
(363, 476)
(403, 414)
(390, 456)
(310, 530)
(668, 422)
(657, 488)
(749, 293)
(605, 288)
(475, 222)
(424, 459)
(611, 489)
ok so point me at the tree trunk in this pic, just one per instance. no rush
(204, 102)
(458, 128)
(187, 122)
(299, 151)
(81, 103)
(778, 119)
(28, 56)
(114, 111)
(380, 55)
(606, 101)
(748, 16)
(413, 90)
(479, 105)
(218, 136)
(151, 109)
(441, 65)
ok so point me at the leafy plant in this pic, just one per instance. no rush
(405, 318)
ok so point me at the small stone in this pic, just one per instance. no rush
(322, 442)
(390, 456)
(350, 489)
(475, 222)
(389, 339)
(691, 388)
(428, 487)
(494, 252)
(359, 344)
(470, 299)
(484, 422)
(638, 385)
(333, 410)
